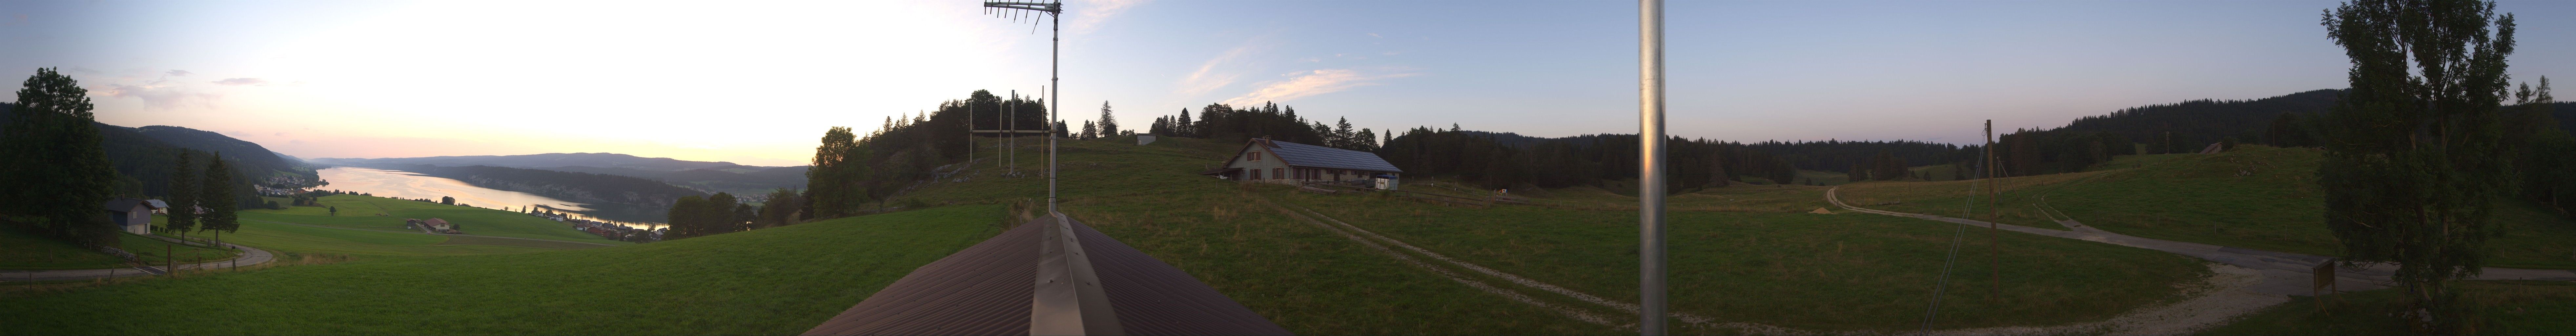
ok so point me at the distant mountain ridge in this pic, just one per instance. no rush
(718, 176)
(550, 160)
(144, 157)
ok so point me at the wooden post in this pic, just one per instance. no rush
(168, 256)
(2322, 283)
(1994, 211)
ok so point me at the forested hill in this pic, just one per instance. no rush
(570, 186)
(2205, 121)
(144, 160)
(247, 153)
(550, 160)
(705, 176)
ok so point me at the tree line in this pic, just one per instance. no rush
(1270, 120)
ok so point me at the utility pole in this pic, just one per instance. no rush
(1650, 182)
(1014, 121)
(1994, 211)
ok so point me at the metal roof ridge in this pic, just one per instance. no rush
(1068, 299)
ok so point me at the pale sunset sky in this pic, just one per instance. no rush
(758, 82)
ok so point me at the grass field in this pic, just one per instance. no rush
(1749, 248)
(772, 281)
(30, 252)
(2253, 197)
(386, 214)
(2503, 308)
(1301, 277)
(1843, 272)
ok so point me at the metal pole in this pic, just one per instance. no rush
(1055, 54)
(1014, 142)
(1650, 182)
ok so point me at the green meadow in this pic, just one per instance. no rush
(2254, 196)
(30, 252)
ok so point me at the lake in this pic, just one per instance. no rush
(409, 185)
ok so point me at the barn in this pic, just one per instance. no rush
(130, 215)
(1264, 160)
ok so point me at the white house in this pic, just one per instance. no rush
(1263, 160)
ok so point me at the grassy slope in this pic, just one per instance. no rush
(772, 281)
(1301, 277)
(1313, 282)
(30, 252)
(362, 212)
(2254, 197)
(2503, 308)
(1778, 265)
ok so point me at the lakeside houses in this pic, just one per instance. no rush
(268, 191)
(612, 231)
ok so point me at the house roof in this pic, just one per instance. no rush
(435, 222)
(121, 204)
(157, 204)
(988, 289)
(1304, 155)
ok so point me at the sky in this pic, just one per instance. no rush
(756, 82)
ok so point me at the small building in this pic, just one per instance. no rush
(130, 215)
(437, 224)
(1142, 139)
(1267, 161)
(159, 207)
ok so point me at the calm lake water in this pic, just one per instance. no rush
(409, 185)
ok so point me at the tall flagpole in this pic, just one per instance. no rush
(1650, 182)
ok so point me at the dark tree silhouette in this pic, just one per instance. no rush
(2412, 164)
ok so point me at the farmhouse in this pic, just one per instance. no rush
(131, 215)
(433, 224)
(1264, 160)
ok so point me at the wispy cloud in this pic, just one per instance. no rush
(242, 81)
(157, 96)
(1307, 84)
(1209, 78)
(179, 73)
(1097, 12)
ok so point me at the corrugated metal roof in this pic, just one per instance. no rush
(1304, 155)
(986, 290)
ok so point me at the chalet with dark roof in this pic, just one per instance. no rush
(1265, 160)
(130, 215)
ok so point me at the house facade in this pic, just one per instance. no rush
(1267, 161)
(130, 215)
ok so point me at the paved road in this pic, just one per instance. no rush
(250, 256)
(2283, 273)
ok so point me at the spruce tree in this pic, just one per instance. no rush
(1108, 123)
(216, 195)
(183, 196)
(57, 172)
(2412, 162)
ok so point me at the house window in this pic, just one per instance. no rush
(1256, 174)
(1278, 172)
(1256, 156)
